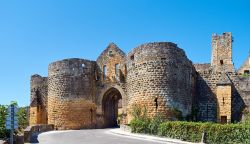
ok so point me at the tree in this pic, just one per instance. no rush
(3, 113)
(22, 115)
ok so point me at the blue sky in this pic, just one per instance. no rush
(34, 33)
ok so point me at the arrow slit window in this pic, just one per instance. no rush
(104, 72)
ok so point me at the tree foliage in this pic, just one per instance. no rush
(3, 113)
(22, 116)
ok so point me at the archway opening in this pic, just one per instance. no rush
(111, 105)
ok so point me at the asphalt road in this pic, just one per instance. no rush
(93, 136)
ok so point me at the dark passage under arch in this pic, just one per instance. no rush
(110, 107)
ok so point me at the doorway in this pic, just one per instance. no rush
(111, 103)
(223, 119)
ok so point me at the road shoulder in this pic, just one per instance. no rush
(120, 132)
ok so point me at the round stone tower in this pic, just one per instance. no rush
(71, 91)
(159, 79)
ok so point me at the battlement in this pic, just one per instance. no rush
(224, 35)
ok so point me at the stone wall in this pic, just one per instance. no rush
(206, 100)
(203, 67)
(244, 90)
(159, 78)
(224, 99)
(113, 58)
(31, 132)
(206, 95)
(109, 58)
(71, 94)
(38, 100)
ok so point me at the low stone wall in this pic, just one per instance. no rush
(31, 132)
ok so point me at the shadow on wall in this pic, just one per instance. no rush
(238, 105)
(206, 101)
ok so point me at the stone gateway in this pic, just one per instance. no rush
(80, 93)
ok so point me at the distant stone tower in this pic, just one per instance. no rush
(222, 52)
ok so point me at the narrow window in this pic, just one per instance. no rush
(132, 57)
(223, 101)
(91, 116)
(120, 103)
(221, 62)
(104, 72)
(96, 75)
(156, 103)
(125, 70)
(117, 69)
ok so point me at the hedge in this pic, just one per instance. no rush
(192, 131)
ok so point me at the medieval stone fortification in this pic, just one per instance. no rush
(158, 76)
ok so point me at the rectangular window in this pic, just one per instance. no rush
(117, 69)
(104, 72)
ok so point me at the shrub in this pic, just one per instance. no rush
(155, 123)
(192, 131)
(245, 75)
(215, 133)
(3, 113)
(247, 119)
(139, 126)
(139, 112)
(140, 122)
